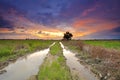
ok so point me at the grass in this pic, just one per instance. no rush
(54, 50)
(100, 55)
(54, 67)
(10, 49)
(115, 44)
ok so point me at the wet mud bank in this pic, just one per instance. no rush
(79, 71)
(103, 62)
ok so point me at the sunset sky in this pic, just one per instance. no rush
(50, 19)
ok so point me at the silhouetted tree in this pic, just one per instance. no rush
(67, 36)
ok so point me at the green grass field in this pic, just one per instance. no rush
(10, 49)
(107, 44)
(91, 52)
(54, 67)
(94, 53)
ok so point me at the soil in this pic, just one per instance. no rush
(33, 77)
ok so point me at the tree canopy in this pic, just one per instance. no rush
(67, 36)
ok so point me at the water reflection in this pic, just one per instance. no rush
(23, 68)
(72, 61)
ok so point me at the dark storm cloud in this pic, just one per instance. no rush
(117, 29)
(76, 8)
(50, 12)
(5, 23)
(12, 17)
(106, 10)
(7, 8)
(41, 11)
(87, 14)
(7, 13)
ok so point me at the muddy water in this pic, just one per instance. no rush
(82, 72)
(25, 67)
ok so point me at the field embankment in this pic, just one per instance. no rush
(54, 66)
(104, 62)
(10, 50)
(110, 44)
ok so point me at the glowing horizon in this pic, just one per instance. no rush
(44, 19)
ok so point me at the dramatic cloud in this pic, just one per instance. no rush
(116, 30)
(49, 19)
(4, 23)
(105, 34)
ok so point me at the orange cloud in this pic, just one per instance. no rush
(78, 28)
(83, 23)
(5, 30)
(89, 26)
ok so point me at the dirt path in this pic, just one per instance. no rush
(25, 67)
(54, 66)
(79, 72)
